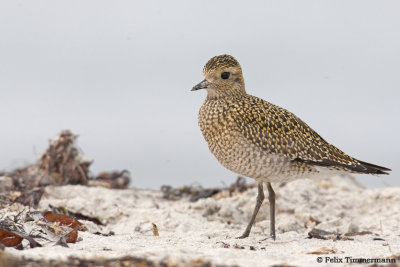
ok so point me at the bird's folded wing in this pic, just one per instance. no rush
(280, 132)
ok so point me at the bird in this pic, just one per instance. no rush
(255, 138)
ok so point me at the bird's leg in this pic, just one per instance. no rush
(260, 199)
(271, 197)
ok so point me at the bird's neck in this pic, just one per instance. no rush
(215, 93)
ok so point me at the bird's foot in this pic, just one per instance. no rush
(270, 237)
(244, 235)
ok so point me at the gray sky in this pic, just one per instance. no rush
(118, 73)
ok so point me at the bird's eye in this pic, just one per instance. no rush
(225, 75)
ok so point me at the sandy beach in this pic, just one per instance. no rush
(364, 224)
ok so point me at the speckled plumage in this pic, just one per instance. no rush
(255, 138)
(260, 140)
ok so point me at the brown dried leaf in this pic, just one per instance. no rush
(77, 216)
(9, 239)
(72, 236)
(64, 220)
(61, 219)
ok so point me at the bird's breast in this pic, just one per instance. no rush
(217, 126)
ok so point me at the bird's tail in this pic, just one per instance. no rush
(373, 169)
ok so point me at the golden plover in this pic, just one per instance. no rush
(257, 139)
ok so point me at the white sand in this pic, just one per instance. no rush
(206, 229)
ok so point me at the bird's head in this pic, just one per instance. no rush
(222, 77)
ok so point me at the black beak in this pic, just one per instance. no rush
(202, 85)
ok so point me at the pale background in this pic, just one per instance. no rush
(118, 73)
